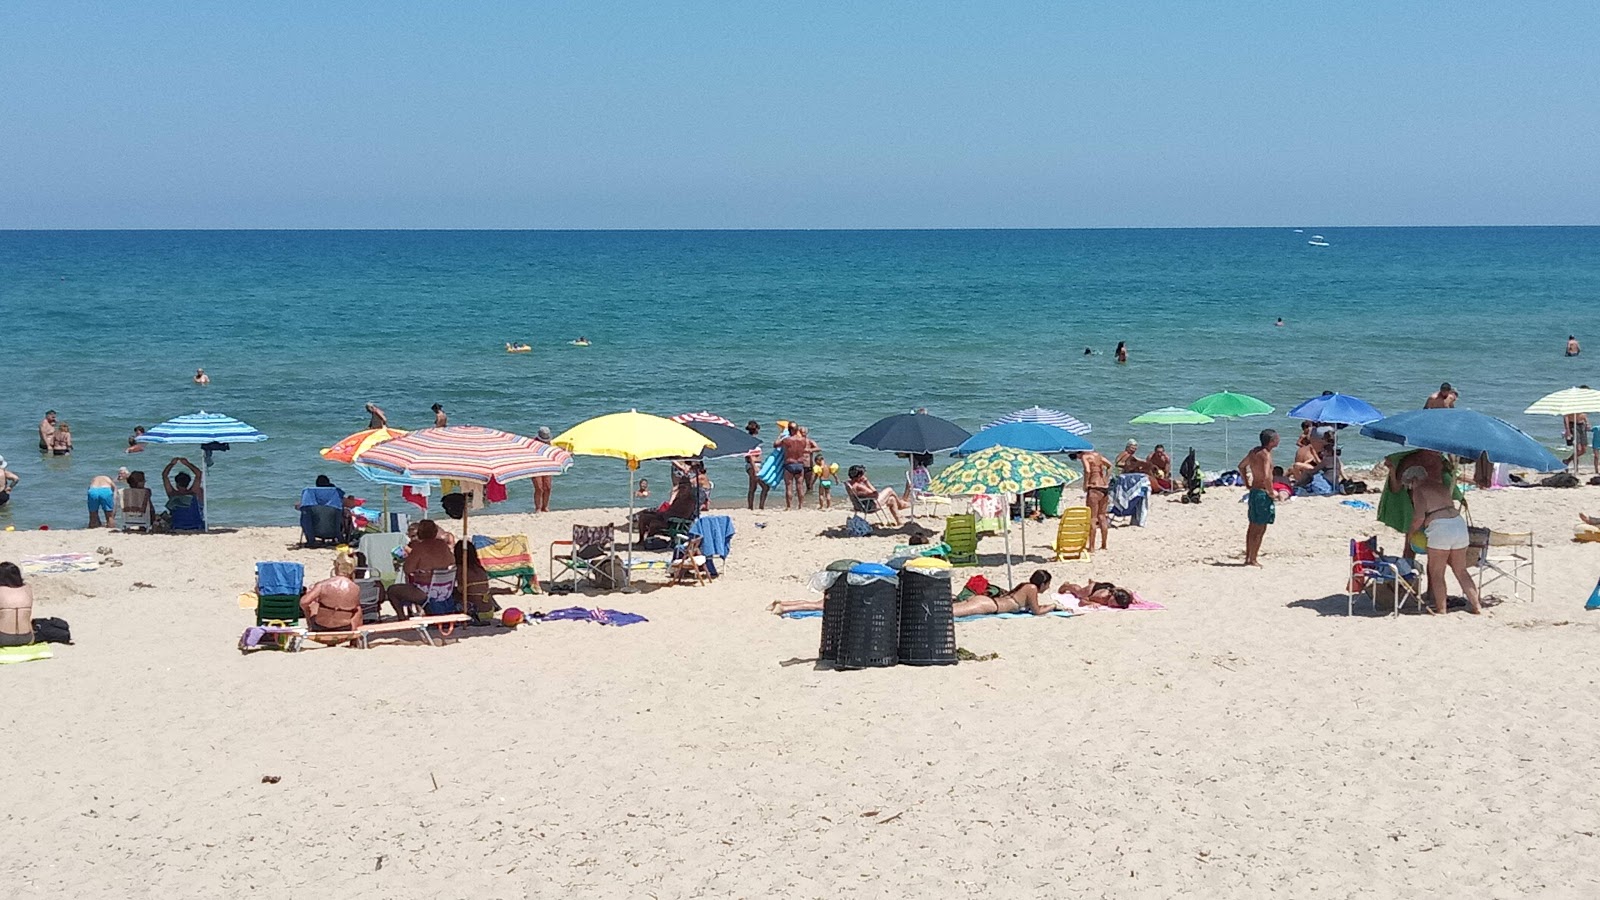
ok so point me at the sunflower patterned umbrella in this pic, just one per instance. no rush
(1003, 470)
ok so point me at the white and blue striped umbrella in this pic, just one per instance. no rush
(202, 428)
(386, 477)
(1044, 416)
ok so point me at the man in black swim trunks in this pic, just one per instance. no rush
(1096, 493)
(796, 448)
(47, 431)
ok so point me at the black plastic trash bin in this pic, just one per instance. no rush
(835, 587)
(927, 624)
(869, 636)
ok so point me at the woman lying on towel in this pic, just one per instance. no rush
(1095, 593)
(1027, 597)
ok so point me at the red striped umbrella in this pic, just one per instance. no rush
(701, 416)
(468, 453)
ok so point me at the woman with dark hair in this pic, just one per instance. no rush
(752, 466)
(1026, 597)
(1095, 593)
(16, 607)
(859, 486)
(474, 580)
(1122, 351)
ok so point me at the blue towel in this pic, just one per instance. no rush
(1058, 613)
(1356, 504)
(321, 496)
(817, 613)
(715, 533)
(280, 579)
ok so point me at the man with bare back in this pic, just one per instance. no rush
(1256, 467)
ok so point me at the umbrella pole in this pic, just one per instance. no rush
(1011, 579)
(1024, 507)
(627, 574)
(386, 507)
(461, 561)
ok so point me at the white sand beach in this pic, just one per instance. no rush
(1249, 740)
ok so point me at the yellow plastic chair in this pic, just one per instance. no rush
(1072, 535)
(961, 536)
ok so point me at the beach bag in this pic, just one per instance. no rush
(52, 631)
(856, 526)
(1561, 480)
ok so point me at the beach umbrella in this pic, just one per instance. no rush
(1337, 409)
(633, 436)
(349, 448)
(701, 416)
(212, 431)
(467, 453)
(1044, 417)
(726, 440)
(1227, 405)
(1003, 470)
(911, 433)
(1035, 436)
(1170, 416)
(1464, 432)
(1569, 402)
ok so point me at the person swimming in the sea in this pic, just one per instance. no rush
(1572, 346)
(200, 377)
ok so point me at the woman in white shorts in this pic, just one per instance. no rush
(1434, 511)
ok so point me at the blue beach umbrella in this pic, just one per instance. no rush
(1034, 436)
(1464, 432)
(211, 431)
(911, 433)
(1337, 409)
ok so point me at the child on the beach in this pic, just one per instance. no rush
(644, 488)
(824, 474)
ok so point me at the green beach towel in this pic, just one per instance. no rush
(24, 653)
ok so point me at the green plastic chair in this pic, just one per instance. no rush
(283, 608)
(961, 536)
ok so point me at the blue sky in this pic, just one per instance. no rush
(800, 115)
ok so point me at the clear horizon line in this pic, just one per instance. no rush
(735, 229)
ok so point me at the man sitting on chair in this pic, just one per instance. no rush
(426, 552)
(334, 603)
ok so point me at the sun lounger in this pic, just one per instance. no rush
(362, 637)
(961, 536)
(1072, 534)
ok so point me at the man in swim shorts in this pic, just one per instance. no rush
(1256, 467)
(797, 449)
(47, 431)
(102, 500)
(1096, 493)
(1572, 345)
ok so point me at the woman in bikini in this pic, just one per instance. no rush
(1433, 510)
(1095, 593)
(1029, 597)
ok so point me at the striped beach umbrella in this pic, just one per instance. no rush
(467, 453)
(710, 418)
(212, 431)
(202, 428)
(1044, 417)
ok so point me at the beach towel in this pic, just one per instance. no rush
(416, 496)
(508, 557)
(321, 496)
(1357, 504)
(58, 564)
(1130, 497)
(280, 579)
(494, 491)
(715, 533)
(1138, 604)
(24, 653)
(1053, 614)
(599, 616)
(255, 634)
(803, 614)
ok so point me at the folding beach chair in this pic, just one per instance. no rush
(1503, 556)
(135, 509)
(868, 506)
(1372, 573)
(322, 517)
(961, 536)
(508, 558)
(688, 564)
(590, 547)
(918, 479)
(379, 549)
(1072, 534)
(279, 586)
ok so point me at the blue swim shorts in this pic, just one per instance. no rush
(100, 499)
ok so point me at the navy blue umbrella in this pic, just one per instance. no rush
(1035, 436)
(911, 433)
(729, 441)
(1337, 409)
(1464, 433)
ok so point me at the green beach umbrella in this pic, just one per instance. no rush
(1227, 405)
(1170, 416)
(1003, 470)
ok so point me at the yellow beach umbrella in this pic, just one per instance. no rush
(633, 436)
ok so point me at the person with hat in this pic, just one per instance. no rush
(542, 483)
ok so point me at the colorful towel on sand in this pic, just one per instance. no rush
(25, 653)
(803, 614)
(508, 557)
(58, 563)
(1138, 604)
(1053, 614)
(599, 616)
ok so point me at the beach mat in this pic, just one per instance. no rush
(58, 563)
(25, 653)
(1053, 614)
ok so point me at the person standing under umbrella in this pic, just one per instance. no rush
(1434, 513)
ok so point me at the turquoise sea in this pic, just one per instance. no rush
(835, 329)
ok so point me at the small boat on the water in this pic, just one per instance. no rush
(1299, 231)
(518, 348)
(580, 342)
(1317, 240)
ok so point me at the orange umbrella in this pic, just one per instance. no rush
(348, 448)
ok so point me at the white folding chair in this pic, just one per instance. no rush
(1504, 556)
